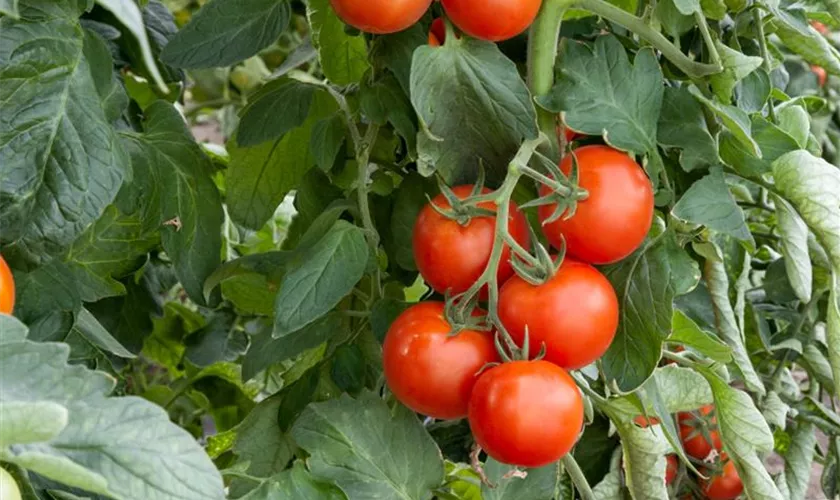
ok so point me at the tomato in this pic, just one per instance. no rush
(725, 485)
(437, 33)
(8, 487)
(671, 469)
(428, 370)
(568, 133)
(693, 440)
(644, 422)
(380, 16)
(575, 314)
(822, 28)
(7, 288)
(451, 256)
(492, 20)
(526, 413)
(819, 71)
(615, 218)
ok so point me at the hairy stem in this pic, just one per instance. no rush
(578, 478)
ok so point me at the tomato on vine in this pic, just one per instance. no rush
(437, 32)
(526, 413)
(671, 468)
(614, 220)
(429, 370)
(699, 433)
(452, 256)
(7, 288)
(820, 73)
(724, 484)
(574, 313)
(495, 20)
(380, 16)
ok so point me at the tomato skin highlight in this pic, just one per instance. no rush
(7, 288)
(575, 314)
(725, 486)
(492, 20)
(452, 257)
(429, 371)
(526, 413)
(380, 16)
(698, 446)
(614, 220)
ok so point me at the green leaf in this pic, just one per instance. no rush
(122, 447)
(734, 119)
(794, 233)
(108, 84)
(90, 328)
(383, 313)
(798, 460)
(674, 22)
(475, 72)
(190, 208)
(775, 410)
(343, 57)
(318, 280)
(218, 341)
(60, 161)
(644, 459)
(646, 284)
(794, 121)
(27, 422)
(709, 202)
(127, 318)
(682, 125)
(394, 52)
(772, 140)
(391, 456)
(261, 443)
(278, 107)
(412, 194)
(600, 93)
(803, 39)
(128, 13)
(539, 483)
(686, 332)
(266, 264)
(9, 8)
(833, 328)
(224, 32)
(736, 67)
(752, 93)
(348, 368)
(11, 329)
(385, 101)
(681, 389)
(296, 483)
(259, 177)
(313, 196)
(328, 135)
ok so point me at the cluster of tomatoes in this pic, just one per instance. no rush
(493, 21)
(7, 288)
(525, 412)
(701, 442)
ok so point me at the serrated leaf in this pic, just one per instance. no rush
(391, 456)
(60, 161)
(343, 57)
(296, 483)
(601, 93)
(798, 460)
(682, 125)
(475, 72)
(794, 233)
(736, 66)
(11, 329)
(539, 483)
(709, 202)
(318, 280)
(686, 332)
(646, 284)
(224, 32)
(261, 443)
(189, 210)
(278, 107)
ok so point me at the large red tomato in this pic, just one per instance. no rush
(526, 413)
(428, 370)
(575, 314)
(493, 20)
(693, 440)
(726, 485)
(7, 288)
(451, 256)
(380, 16)
(615, 218)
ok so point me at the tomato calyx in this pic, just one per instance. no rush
(564, 191)
(462, 210)
(536, 270)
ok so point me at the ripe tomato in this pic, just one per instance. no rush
(575, 314)
(726, 485)
(819, 71)
(644, 422)
(437, 33)
(615, 218)
(428, 370)
(492, 20)
(526, 413)
(8, 487)
(822, 28)
(671, 469)
(693, 440)
(451, 256)
(568, 133)
(7, 288)
(380, 16)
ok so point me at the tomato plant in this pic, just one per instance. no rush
(8, 487)
(243, 250)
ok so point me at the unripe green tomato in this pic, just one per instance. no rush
(8, 487)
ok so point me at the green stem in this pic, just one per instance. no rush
(765, 54)
(700, 19)
(635, 24)
(578, 478)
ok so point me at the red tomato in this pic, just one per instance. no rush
(644, 422)
(693, 440)
(492, 20)
(7, 288)
(671, 469)
(380, 16)
(428, 370)
(822, 28)
(451, 256)
(568, 133)
(526, 413)
(437, 33)
(819, 71)
(575, 314)
(614, 220)
(726, 485)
